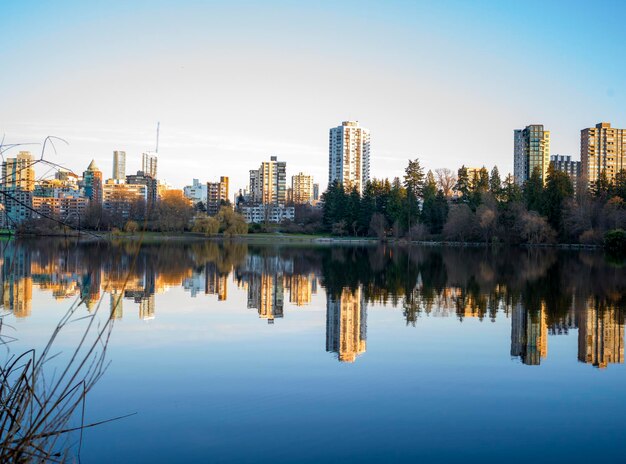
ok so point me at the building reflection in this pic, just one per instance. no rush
(529, 335)
(17, 284)
(601, 336)
(216, 283)
(274, 280)
(346, 324)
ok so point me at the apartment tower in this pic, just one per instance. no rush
(531, 151)
(119, 165)
(349, 155)
(302, 188)
(216, 193)
(149, 164)
(602, 149)
(268, 184)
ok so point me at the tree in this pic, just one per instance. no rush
(200, 206)
(495, 183)
(619, 186)
(414, 178)
(462, 186)
(602, 187)
(461, 224)
(231, 222)
(487, 218)
(334, 201)
(378, 226)
(414, 184)
(533, 191)
(172, 213)
(435, 212)
(131, 227)
(511, 192)
(534, 228)
(206, 225)
(559, 187)
(353, 210)
(445, 181)
(398, 211)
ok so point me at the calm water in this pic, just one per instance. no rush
(247, 353)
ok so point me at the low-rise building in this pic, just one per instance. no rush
(119, 198)
(261, 213)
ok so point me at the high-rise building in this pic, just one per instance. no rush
(349, 155)
(149, 164)
(601, 336)
(346, 324)
(119, 165)
(301, 189)
(18, 173)
(216, 193)
(531, 151)
(92, 183)
(18, 184)
(564, 163)
(268, 184)
(602, 149)
(151, 185)
(316, 192)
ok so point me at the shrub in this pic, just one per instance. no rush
(131, 227)
(615, 242)
(590, 237)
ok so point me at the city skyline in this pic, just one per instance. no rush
(451, 66)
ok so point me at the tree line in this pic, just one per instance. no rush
(480, 207)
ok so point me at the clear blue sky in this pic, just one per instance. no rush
(235, 82)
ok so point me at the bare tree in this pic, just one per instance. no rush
(445, 180)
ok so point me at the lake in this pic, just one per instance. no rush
(248, 353)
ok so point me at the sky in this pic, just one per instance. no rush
(233, 83)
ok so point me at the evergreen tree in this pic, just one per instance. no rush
(602, 186)
(463, 184)
(511, 192)
(533, 191)
(559, 187)
(414, 185)
(396, 211)
(620, 184)
(368, 208)
(495, 183)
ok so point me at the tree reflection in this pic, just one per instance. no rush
(542, 291)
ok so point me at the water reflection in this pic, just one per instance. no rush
(541, 292)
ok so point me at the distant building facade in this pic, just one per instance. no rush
(18, 185)
(217, 193)
(151, 186)
(564, 163)
(302, 189)
(119, 198)
(258, 214)
(268, 184)
(92, 183)
(149, 164)
(531, 151)
(349, 156)
(602, 149)
(119, 165)
(196, 192)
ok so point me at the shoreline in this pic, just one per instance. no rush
(158, 237)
